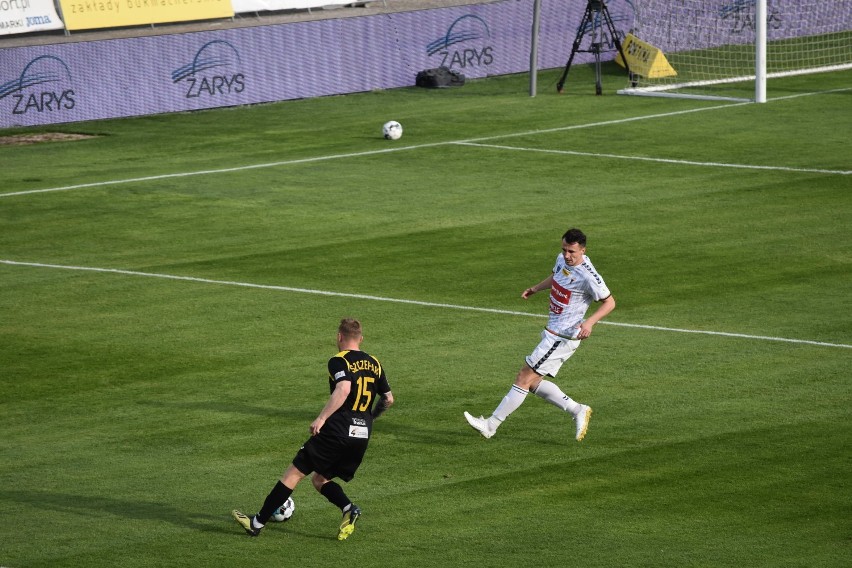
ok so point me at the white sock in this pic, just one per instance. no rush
(510, 403)
(554, 395)
(255, 524)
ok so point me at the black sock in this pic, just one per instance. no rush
(275, 499)
(335, 495)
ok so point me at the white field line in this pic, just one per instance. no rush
(799, 95)
(401, 301)
(219, 171)
(369, 152)
(659, 160)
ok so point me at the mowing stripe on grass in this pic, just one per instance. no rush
(659, 160)
(400, 301)
(370, 152)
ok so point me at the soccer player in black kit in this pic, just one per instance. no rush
(339, 434)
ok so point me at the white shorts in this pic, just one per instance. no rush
(548, 356)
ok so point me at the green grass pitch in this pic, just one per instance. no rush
(163, 335)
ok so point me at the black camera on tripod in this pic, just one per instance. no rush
(595, 16)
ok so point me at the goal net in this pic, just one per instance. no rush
(727, 48)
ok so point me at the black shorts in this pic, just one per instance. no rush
(331, 456)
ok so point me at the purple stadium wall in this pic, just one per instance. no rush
(73, 82)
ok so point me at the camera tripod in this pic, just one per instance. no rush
(596, 14)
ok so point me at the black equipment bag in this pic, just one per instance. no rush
(439, 77)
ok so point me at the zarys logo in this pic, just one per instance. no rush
(214, 71)
(44, 85)
(473, 32)
(742, 14)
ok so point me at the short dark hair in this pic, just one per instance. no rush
(349, 328)
(574, 236)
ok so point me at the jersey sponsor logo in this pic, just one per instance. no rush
(555, 308)
(359, 432)
(560, 293)
(559, 298)
(339, 374)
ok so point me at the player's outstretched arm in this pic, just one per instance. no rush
(543, 285)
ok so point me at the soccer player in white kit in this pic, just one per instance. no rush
(574, 285)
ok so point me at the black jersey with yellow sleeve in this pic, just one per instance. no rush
(355, 419)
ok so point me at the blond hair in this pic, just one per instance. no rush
(349, 328)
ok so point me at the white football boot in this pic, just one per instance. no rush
(582, 419)
(480, 424)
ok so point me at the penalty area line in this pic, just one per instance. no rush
(658, 160)
(400, 301)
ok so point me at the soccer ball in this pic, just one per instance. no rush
(392, 130)
(285, 511)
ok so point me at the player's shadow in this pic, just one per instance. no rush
(414, 434)
(290, 527)
(236, 408)
(87, 505)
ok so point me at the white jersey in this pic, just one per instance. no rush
(573, 290)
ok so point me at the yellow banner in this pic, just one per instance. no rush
(90, 14)
(644, 59)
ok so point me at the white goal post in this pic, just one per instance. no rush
(727, 49)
